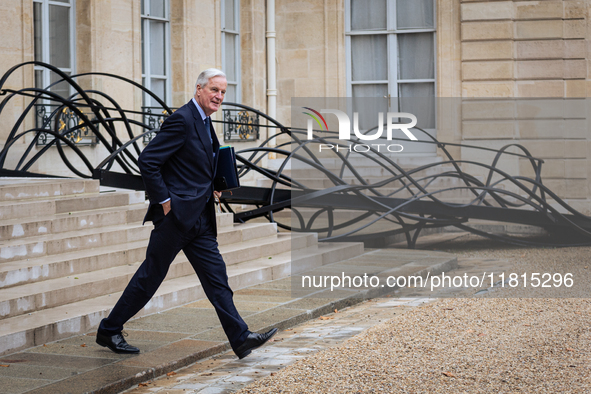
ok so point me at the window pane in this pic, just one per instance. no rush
(62, 1)
(37, 32)
(59, 36)
(421, 102)
(368, 109)
(142, 7)
(230, 60)
(369, 58)
(62, 88)
(414, 14)
(157, 53)
(229, 15)
(231, 94)
(158, 88)
(379, 91)
(416, 58)
(368, 15)
(157, 8)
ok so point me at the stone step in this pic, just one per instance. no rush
(53, 244)
(265, 247)
(50, 244)
(43, 326)
(75, 262)
(224, 220)
(502, 228)
(245, 232)
(33, 297)
(65, 222)
(303, 259)
(51, 293)
(17, 273)
(44, 207)
(18, 189)
(72, 262)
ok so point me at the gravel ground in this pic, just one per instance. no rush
(511, 340)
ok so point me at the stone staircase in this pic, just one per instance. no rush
(68, 249)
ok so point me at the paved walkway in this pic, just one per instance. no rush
(181, 336)
(226, 374)
(222, 374)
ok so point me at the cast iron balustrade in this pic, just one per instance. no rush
(153, 117)
(58, 118)
(240, 125)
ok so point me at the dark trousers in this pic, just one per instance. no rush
(201, 248)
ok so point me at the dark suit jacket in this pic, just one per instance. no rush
(178, 163)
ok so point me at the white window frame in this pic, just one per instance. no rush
(45, 55)
(392, 33)
(236, 33)
(393, 82)
(147, 76)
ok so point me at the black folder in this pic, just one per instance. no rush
(227, 174)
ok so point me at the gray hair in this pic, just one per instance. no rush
(206, 75)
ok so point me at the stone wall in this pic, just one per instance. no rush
(310, 51)
(108, 39)
(527, 50)
(16, 46)
(254, 55)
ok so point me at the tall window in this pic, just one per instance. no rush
(54, 41)
(156, 50)
(391, 54)
(231, 48)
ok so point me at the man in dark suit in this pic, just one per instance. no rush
(178, 168)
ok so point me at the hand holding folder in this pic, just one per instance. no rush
(227, 173)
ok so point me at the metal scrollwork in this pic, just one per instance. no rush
(154, 122)
(241, 125)
(59, 119)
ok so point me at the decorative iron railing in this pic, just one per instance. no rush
(153, 117)
(240, 125)
(59, 118)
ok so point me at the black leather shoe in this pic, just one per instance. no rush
(116, 343)
(253, 341)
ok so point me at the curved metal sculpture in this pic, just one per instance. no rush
(499, 198)
(347, 207)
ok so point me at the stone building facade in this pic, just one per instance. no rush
(484, 49)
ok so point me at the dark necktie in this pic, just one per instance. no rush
(207, 122)
(208, 127)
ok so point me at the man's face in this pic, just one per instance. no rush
(211, 96)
